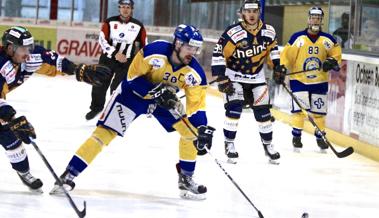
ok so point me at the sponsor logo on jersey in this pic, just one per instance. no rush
(243, 44)
(192, 79)
(268, 33)
(327, 44)
(156, 63)
(115, 26)
(233, 30)
(121, 35)
(122, 117)
(238, 36)
(311, 63)
(254, 50)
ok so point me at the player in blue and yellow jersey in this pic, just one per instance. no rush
(156, 73)
(19, 59)
(237, 61)
(315, 52)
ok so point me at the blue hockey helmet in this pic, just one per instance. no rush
(189, 34)
(18, 36)
(126, 2)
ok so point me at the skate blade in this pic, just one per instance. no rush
(274, 162)
(232, 160)
(57, 190)
(36, 191)
(322, 151)
(184, 194)
(296, 150)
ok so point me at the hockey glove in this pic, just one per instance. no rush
(204, 138)
(225, 85)
(22, 129)
(279, 75)
(330, 64)
(165, 96)
(96, 74)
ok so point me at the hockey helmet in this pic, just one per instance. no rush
(126, 2)
(251, 4)
(315, 11)
(18, 36)
(190, 35)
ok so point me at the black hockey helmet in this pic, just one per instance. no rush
(18, 36)
(251, 4)
(126, 2)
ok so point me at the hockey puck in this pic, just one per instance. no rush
(272, 119)
(305, 215)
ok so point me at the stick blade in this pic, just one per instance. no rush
(348, 151)
(84, 211)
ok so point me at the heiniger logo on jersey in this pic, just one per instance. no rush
(254, 50)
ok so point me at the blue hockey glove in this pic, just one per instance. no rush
(330, 64)
(165, 96)
(279, 75)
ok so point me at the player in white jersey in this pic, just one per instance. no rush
(120, 39)
(19, 59)
(237, 61)
(315, 52)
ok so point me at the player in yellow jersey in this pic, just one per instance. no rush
(156, 73)
(237, 61)
(316, 52)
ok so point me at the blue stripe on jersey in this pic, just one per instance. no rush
(319, 88)
(297, 35)
(327, 35)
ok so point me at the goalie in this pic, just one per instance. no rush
(19, 59)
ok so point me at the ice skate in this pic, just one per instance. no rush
(297, 144)
(271, 153)
(322, 145)
(67, 181)
(231, 152)
(29, 180)
(189, 189)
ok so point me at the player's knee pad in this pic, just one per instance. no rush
(297, 120)
(262, 114)
(93, 145)
(233, 109)
(184, 130)
(187, 150)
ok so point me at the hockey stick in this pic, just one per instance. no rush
(82, 213)
(302, 71)
(222, 168)
(348, 151)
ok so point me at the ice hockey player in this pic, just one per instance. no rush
(156, 73)
(19, 59)
(307, 50)
(237, 61)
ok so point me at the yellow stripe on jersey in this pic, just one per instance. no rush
(228, 50)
